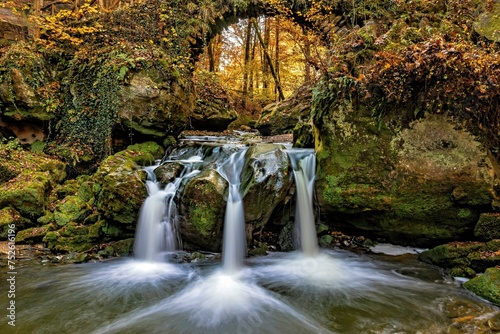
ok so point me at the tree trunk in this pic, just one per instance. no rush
(276, 60)
(307, 57)
(38, 11)
(246, 64)
(210, 54)
(269, 60)
(265, 63)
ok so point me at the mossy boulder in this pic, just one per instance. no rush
(9, 216)
(155, 105)
(488, 23)
(464, 258)
(72, 238)
(266, 183)
(71, 209)
(282, 117)
(32, 234)
(123, 247)
(213, 109)
(423, 185)
(487, 285)
(121, 189)
(488, 226)
(202, 209)
(27, 193)
(150, 147)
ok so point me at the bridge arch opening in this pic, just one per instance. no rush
(263, 59)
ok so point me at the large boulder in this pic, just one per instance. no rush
(266, 183)
(153, 105)
(213, 110)
(488, 23)
(423, 184)
(202, 210)
(282, 117)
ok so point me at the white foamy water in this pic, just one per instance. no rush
(234, 240)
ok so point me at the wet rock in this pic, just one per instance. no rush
(259, 250)
(266, 182)
(202, 209)
(287, 238)
(168, 172)
(486, 285)
(325, 240)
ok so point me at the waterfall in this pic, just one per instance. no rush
(304, 167)
(234, 242)
(157, 226)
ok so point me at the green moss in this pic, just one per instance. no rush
(71, 238)
(488, 226)
(26, 193)
(488, 23)
(203, 218)
(486, 285)
(124, 247)
(34, 234)
(72, 208)
(464, 213)
(148, 147)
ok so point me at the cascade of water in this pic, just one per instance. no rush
(157, 225)
(234, 242)
(304, 166)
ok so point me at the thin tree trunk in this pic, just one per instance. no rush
(307, 57)
(252, 63)
(38, 10)
(276, 58)
(248, 37)
(271, 67)
(210, 54)
(265, 63)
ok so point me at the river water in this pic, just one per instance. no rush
(333, 292)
